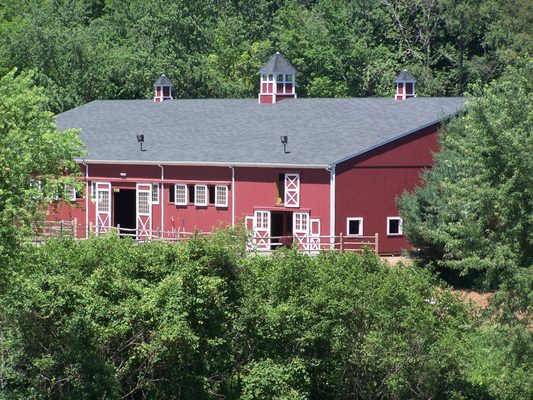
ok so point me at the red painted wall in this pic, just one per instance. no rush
(256, 190)
(367, 185)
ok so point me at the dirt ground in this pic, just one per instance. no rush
(480, 299)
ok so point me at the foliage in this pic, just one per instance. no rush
(475, 213)
(107, 318)
(31, 150)
(84, 50)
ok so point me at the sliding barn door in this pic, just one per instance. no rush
(144, 211)
(103, 207)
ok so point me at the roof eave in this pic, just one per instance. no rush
(203, 164)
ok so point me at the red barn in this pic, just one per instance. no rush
(304, 168)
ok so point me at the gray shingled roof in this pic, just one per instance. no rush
(405, 76)
(277, 64)
(243, 132)
(163, 81)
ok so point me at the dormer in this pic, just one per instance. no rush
(405, 85)
(163, 89)
(278, 80)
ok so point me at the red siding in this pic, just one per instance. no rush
(265, 99)
(367, 186)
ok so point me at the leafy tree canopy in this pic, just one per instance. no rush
(475, 211)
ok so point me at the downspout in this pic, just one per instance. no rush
(162, 200)
(232, 196)
(86, 199)
(331, 169)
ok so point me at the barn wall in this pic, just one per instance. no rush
(256, 189)
(367, 185)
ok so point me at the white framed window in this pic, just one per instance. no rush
(93, 191)
(200, 195)
(70, 193)
(155, 193)
(180, 194)
(221, 196)
(301, 222)
(354, 226)
(143, 206)
(394, 226)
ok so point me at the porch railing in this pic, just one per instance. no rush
(310, 244)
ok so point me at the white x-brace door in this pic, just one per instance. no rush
(103, 207)
(314, 235)
(262, 230)
(292, 190)
(144, 211)
(300, 228)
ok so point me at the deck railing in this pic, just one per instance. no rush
(311, 244)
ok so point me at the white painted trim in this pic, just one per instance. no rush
(292, 194)
(203, 164)
(196, 202)
(148, 224)
(332, 204)
(87, 197)
(186, 200)
(156, 185)
(400, 226)
(361, 227)
(232, 196)
(162, 200)
(224, 188)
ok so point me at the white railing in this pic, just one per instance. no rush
(264, 244)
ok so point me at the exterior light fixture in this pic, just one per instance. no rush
(123, 175)
(140, 139)
(284, 141)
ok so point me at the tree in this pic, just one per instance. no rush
(474, 213)
(35, 159)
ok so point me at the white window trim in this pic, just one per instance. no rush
(183, 203)
(400, 226)
(361, 227)
(196, 202)
(156, 187)
(93, 191)
(72, 197)
(225, 189)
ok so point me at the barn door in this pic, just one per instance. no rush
(144, 211)
(300, 228)
(314, 235)
(103, 207)
(292, 190)
(262, 230)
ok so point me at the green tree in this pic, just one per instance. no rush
(35, 159)
(474, 213)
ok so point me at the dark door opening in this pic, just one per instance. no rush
(281, 228)
(124, 211)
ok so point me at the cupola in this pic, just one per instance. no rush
(405, 85)
(278, 79)
(163, 89)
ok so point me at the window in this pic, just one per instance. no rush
(144, 202)
(221, 196)
(301, 221)
(180, 195)
(71, 193)
(280, 189)
(200, 195)
(354, 226)
(155, 193)
(93, 191)
(192, 192)
(211, 192)
(394, 226)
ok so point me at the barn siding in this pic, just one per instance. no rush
(367, 185)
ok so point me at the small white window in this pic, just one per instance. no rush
(93, 191)
(354, 226)
(70, 193)
(394, 226)
(180, 195)
(221, 196)
(155, 193)
(200, 195)
(143, 207)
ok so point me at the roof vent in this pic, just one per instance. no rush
(163, 89)
(405, 85)
(278, 79)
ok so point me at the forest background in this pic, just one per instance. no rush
(106, 318)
